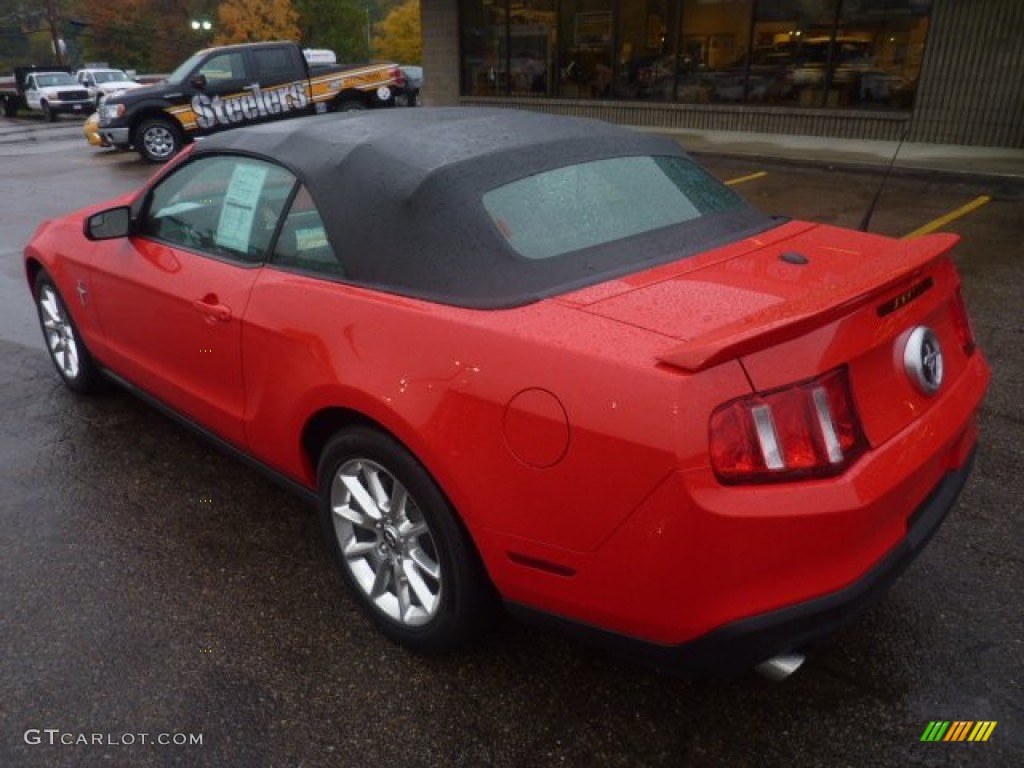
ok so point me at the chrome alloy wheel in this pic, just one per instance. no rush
(159, 141)
(60, 334)
(386, 543)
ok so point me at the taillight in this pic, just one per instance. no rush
(962, 320)
(809, 429)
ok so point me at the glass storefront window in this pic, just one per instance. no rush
(587, 35)
(508, 47)
(842, 53)
(863, 54)
(646, 68)
(713, 38)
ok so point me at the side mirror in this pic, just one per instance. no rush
(109, 224)
(198, 82)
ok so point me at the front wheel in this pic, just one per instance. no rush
(398, 542)
(48, 114)
(158, 140)
(63, 342)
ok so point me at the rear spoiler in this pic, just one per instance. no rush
(780, 323)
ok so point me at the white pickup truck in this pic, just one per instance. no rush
(101, 82)
(50, 90)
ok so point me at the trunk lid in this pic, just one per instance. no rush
(800, 300)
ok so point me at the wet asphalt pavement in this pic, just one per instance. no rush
(154, 589)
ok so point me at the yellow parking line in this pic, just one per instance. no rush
(751, 177)
(942, 221)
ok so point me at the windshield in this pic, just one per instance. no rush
(55, 78)
(111, 76)
(185, 68)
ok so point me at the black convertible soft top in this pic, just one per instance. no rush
(400, 192)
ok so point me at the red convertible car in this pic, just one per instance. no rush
(539, 360)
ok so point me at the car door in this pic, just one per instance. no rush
(171, 299)
(214, 89)
(283, 89)
(32, 95)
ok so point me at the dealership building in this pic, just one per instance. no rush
(940, 71)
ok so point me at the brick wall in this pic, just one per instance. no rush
(439, 20)
(972, 81)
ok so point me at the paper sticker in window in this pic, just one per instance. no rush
(234, 230)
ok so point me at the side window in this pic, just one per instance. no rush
(302, 242)
(274, 65)
(224, 68)
(225, 206)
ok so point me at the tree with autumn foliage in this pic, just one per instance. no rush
(250, 21)
(339, 25)
(399, 37)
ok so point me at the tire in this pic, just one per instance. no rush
(48, 114)
(398, 543)
(10, 106)
(158, 140)
(67, 350)
(351, 105)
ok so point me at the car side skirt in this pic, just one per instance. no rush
(738, 646)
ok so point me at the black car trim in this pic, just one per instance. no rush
(736, 647)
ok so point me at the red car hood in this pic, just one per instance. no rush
(759, 291)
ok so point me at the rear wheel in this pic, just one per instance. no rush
(63, 342)
(398, 543)
(351, 105)
(158, 140)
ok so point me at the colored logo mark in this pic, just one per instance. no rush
(958, 730)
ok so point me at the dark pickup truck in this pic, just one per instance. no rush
(226, 87)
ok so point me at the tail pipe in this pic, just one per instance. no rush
(778, 668)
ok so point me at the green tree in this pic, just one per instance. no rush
(146, 35)
(339, 25)
(399, 37)
(248, 21)
(25, 36)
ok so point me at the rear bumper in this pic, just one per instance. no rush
(742, 644)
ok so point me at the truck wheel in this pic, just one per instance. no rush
(48, 114)
(351, 105)
(158, 140)
(10, 106)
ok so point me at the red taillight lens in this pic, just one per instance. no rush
(810, 429)
(962, 321)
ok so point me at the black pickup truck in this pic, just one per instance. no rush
(220, 88)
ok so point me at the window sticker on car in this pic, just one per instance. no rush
(234, 229)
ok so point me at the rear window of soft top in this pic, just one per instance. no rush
(593, 203)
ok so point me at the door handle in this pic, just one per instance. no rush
(212, 310)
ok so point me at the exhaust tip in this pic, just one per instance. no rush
(778, 668)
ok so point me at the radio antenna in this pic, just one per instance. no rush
(866, 221)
